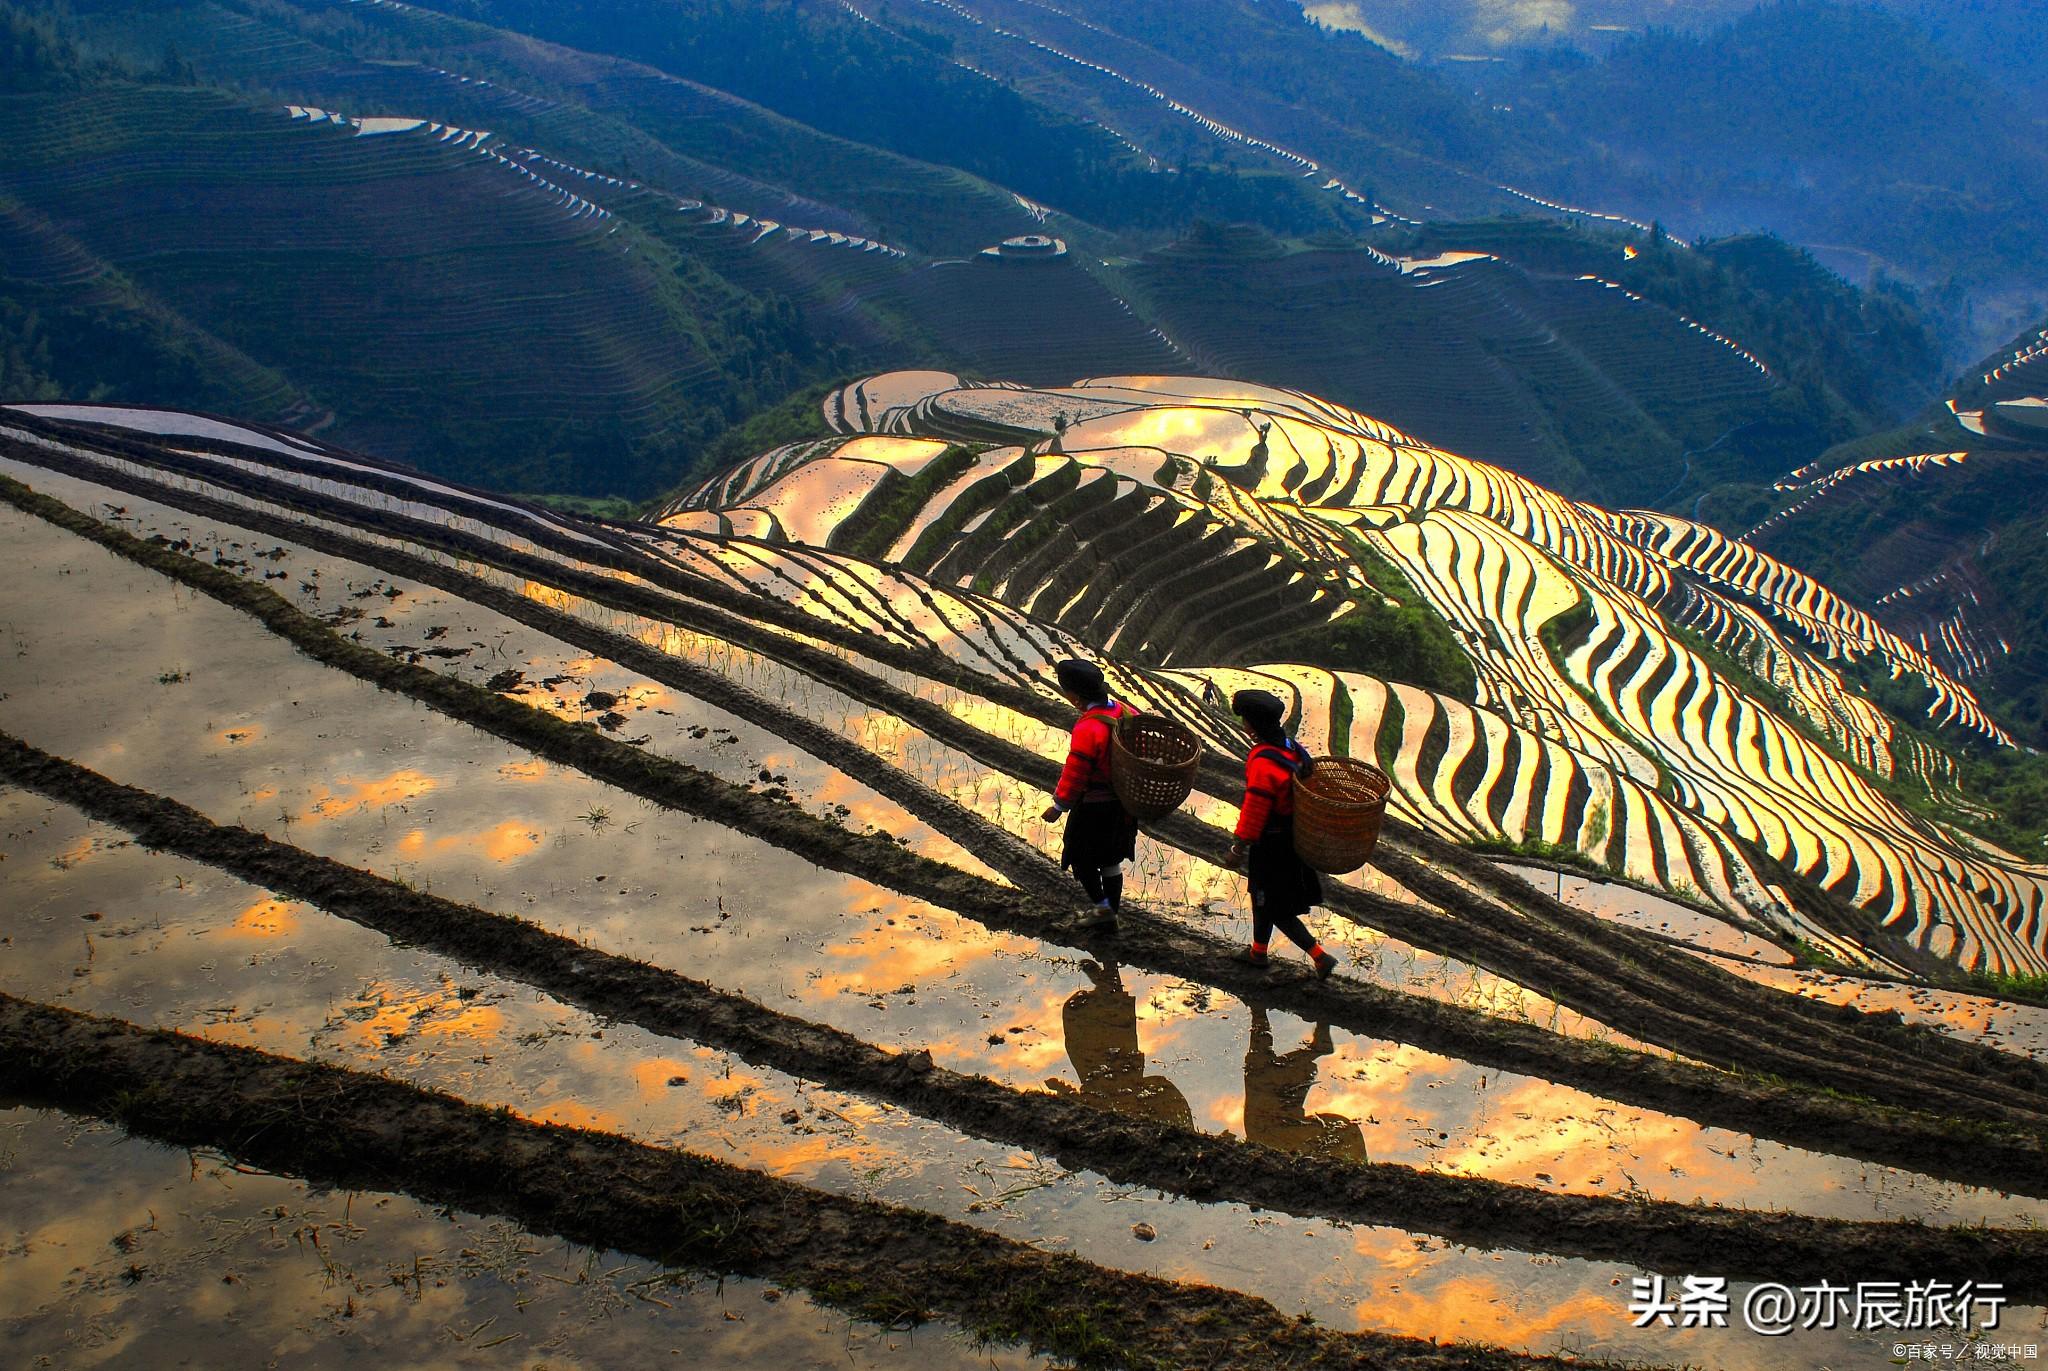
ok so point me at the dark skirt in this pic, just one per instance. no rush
(1281, 882)
(1099, 835)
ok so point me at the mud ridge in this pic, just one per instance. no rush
(1903, 1136)
(1128, 1150)
(353, 1130)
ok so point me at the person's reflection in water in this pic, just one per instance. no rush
(1101, 1025)
(1276, 1091)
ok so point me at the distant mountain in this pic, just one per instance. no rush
(903, 88)
(1999, 38)
(1789, 120)
(1838, 126)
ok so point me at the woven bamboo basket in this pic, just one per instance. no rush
(1152, 764)
(1338, 808)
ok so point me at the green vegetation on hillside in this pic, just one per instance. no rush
(2010, 784)
(54, 348)
(447, 312)
(1844, 360)
(33, 54)
(872, 530)
(2017, 565)
(25, 356)
(1525, 362)
(1405, 641)
(590, 506)
(1967, 538)
(95, 338)
(800, 416)
(871, 84)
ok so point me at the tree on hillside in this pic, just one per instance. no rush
(33, 55)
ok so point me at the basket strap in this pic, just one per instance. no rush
(1098, 774)
(1293, 756)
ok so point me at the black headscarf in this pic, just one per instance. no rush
(1083, 679)
(1263, 711)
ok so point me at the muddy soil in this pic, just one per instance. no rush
(1124, 1148)
(2013, 1024)
(2007, 1160)
(121, 1252)
(1673, 922)
(349, 1129)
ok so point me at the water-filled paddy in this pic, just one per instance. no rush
(122, 1252)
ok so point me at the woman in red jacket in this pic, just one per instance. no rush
(1100, 837)
(1283, 887)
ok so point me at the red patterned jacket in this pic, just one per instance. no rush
(1269, 774)
(1086, 774)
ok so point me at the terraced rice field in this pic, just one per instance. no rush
(1910, 505)
(1240, 504)
(562, 914)
(1925, 582)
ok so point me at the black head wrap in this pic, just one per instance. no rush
(1263, 710)
(1081, 678)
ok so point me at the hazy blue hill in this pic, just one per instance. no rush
(1254, 85)
(1272, 52)
(1833, 124)
(1849, 130)
(1384, 126)
(598, 111)
(1870, 349)
(530, 344)
(1834, 66)
(2000, 38)
(1851, 359)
